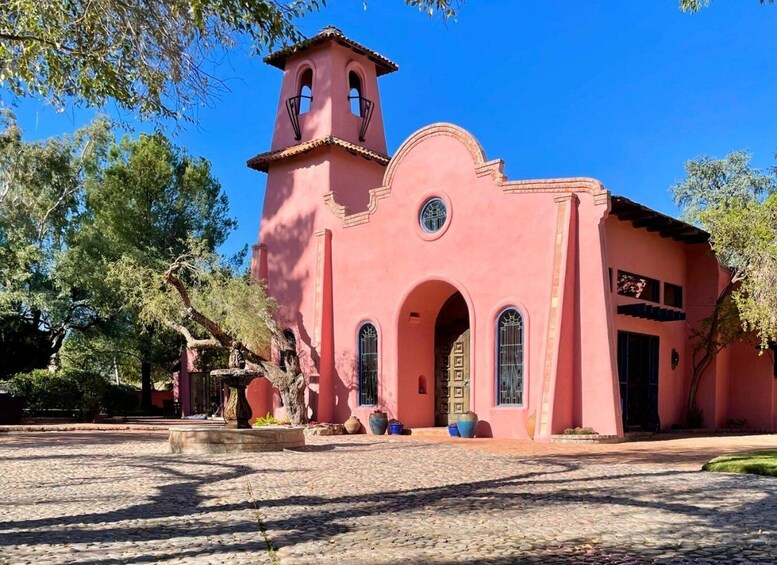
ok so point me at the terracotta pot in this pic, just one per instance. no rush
(353, 425)
(531, 422)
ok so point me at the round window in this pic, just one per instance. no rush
(433, 215)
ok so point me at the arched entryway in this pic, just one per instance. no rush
(433, 355)
(452, 361)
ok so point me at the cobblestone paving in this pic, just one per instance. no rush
(110, 498)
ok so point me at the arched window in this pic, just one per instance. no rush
(368, 365)
(355, 93)
(509, 352)
(305, 90)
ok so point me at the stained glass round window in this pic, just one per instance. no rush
(433, 215)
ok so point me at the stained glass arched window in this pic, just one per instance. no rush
(509, 361)
(368, 365)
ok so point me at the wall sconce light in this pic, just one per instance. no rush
(675, 358)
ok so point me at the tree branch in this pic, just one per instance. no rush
(221, 339)
(191, 341)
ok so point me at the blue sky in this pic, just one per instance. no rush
(625, 92)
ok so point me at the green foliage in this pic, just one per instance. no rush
(696, 5)
(82, 393)
(580, 432)
(753, 463)
(120, 400)
(41, 211)
(268, 420)
(737, 205)
(43, 390)
(154, 58)
(216, 288)
(70, 208)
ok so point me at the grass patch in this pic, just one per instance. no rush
(753, 463)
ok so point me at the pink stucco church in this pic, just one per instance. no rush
(426, 283)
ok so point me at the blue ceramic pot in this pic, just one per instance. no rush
(453, 430)
(378, 423)
(395, 429)
(467, 424)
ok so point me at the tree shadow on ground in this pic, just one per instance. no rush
(328, 517)
(21, 440)
(180, 499)
(186, 511)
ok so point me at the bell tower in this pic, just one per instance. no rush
(330, 88)
(328, 146)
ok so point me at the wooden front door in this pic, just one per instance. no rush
(451, 375)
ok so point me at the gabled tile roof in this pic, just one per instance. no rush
(278, 59)
(262, 161)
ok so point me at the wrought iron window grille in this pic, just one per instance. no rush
(365, 111)
(433, 215)
(510, 358)
(293, 106)
(368, 365)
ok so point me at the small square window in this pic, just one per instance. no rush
(673, 295)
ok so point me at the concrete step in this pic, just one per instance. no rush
(441, 431)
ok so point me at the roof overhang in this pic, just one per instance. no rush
(643, 217)
(278, 59)
(648, 312)
(263, 161)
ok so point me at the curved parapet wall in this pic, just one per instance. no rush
(208, 439)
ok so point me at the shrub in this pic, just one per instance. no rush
(120, 399)
(268, 420)
(44, 390)
(80, 393)
(580, 432)
(91, 389)
(694, 419)
(736, 423)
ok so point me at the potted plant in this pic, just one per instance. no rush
(395, 427)
(467, 423)
(378, 422)
(453, 429)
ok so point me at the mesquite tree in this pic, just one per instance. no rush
(214, 307)
(737, 205)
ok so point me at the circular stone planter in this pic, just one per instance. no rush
(208, 439)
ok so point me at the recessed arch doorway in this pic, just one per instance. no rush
(433, 347)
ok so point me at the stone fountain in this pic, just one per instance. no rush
(237, 435)
(237, 411)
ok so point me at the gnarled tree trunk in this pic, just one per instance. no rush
(289, 382)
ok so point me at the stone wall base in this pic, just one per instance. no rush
(227, 440)
(589, 439)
